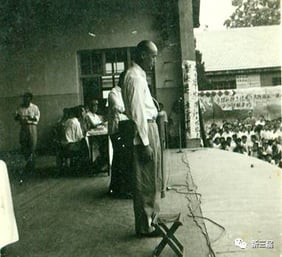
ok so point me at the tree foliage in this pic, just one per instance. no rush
(251, 13)
(203, 82)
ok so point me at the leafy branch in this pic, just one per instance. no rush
(251, 13)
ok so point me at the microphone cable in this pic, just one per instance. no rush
(185, 190)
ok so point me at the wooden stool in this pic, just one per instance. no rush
(159, 222)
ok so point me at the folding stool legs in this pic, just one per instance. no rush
(168, 238)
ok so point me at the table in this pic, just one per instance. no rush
(8, 226)
(100, 133)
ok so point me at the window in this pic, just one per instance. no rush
(276, 81)
(100, 70)
(229, 84)
(91, 63)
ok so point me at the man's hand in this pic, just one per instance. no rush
(31, 118)
(147, 153)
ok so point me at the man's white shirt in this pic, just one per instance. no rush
(138, 102)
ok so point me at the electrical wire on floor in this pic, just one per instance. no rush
(188, 191)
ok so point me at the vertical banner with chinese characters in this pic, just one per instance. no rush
(191, 110)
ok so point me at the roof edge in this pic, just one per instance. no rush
(243, 71)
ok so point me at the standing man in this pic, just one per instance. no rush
(141, 110)
(28, 115)
(120, 184)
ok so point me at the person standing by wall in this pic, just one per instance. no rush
(141, 110)
(28, 115)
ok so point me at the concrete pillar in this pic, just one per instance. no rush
(189, 75)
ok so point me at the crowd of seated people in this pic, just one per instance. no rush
(71, 137)
(258, 138)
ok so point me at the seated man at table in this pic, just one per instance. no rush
(74, 141)
(93, 120)
(98, 146)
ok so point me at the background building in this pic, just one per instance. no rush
(239, 70)
(241, 57)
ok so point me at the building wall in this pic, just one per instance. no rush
(267, 77)
(49, 68)
(169, 77)
(226, 81)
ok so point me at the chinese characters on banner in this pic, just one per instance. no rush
(261, 100)
(192, 123)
